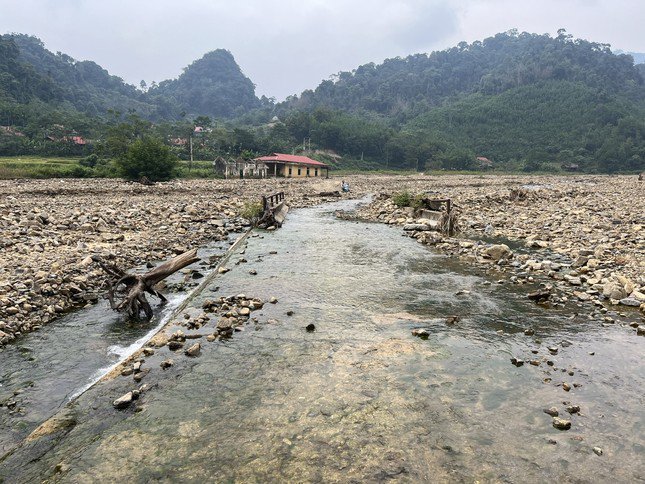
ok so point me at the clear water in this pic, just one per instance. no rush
(361, 399)
(49, 367)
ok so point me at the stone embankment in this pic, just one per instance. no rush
(587, 230)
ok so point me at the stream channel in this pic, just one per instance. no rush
(358, 399)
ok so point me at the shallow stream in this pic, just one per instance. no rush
(360, 398)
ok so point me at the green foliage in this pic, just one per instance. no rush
(90, 161)
(251, 211)
(147, 157)
(39, 167)
(525, 101)
(402, 199)
(211, 86)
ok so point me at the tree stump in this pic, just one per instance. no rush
(127, 292)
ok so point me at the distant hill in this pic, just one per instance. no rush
(213, 85)
(639, 57)
(492, 66)
(522, 100)
(60, 81)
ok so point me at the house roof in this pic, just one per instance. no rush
(282, 158)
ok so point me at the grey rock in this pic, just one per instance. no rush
(420, 332)
(552, 411)
(629, 301)
(124, 401)
(498, 252)
(194, 350)
(517, 362)
(561, 424)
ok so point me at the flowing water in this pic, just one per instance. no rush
(360, 398)
(42, 371)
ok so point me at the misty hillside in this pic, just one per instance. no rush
(213, 86)
(490, 67)
(524, 101)
(30, 73)
(518, 99)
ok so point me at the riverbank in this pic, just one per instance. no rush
(49, 229)
(586, 234)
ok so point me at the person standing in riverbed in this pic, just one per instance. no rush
(344, 186)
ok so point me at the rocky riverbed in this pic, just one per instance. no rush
(585, 234)
(587, 231)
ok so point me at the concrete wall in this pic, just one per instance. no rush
(283, 170)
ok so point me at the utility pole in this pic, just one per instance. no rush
(190, 165)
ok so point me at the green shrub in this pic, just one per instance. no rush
(251, 210)
(402, 199)
(89, 161)
(147, 157)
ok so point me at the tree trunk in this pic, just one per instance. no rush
(127, 293)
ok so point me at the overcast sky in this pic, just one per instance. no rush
(286, 46)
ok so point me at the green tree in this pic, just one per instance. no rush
(147, 157)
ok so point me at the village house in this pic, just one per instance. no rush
(11, 131)
(293, 166)
(484, 163)
(240, 168)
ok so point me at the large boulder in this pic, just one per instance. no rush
(498, 252)
(614, 290)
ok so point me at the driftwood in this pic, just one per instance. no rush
(540, 295)
(329, 194)
(127, 292)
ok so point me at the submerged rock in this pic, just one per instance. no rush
(561, 424)
(498, 252)
(552, 411)
(124, 401)
(420, 333)
(517, 362)
(194, 350)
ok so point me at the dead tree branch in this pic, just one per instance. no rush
(127, 291)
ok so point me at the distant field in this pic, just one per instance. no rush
(38, 167)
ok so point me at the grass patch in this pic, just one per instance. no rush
(38, 167)
(252, 211)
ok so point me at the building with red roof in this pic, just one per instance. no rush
(294, 166)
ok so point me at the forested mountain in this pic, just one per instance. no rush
(35, 80)
(524, 101)
(213, 86)
(492, 66)
(518, 99)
